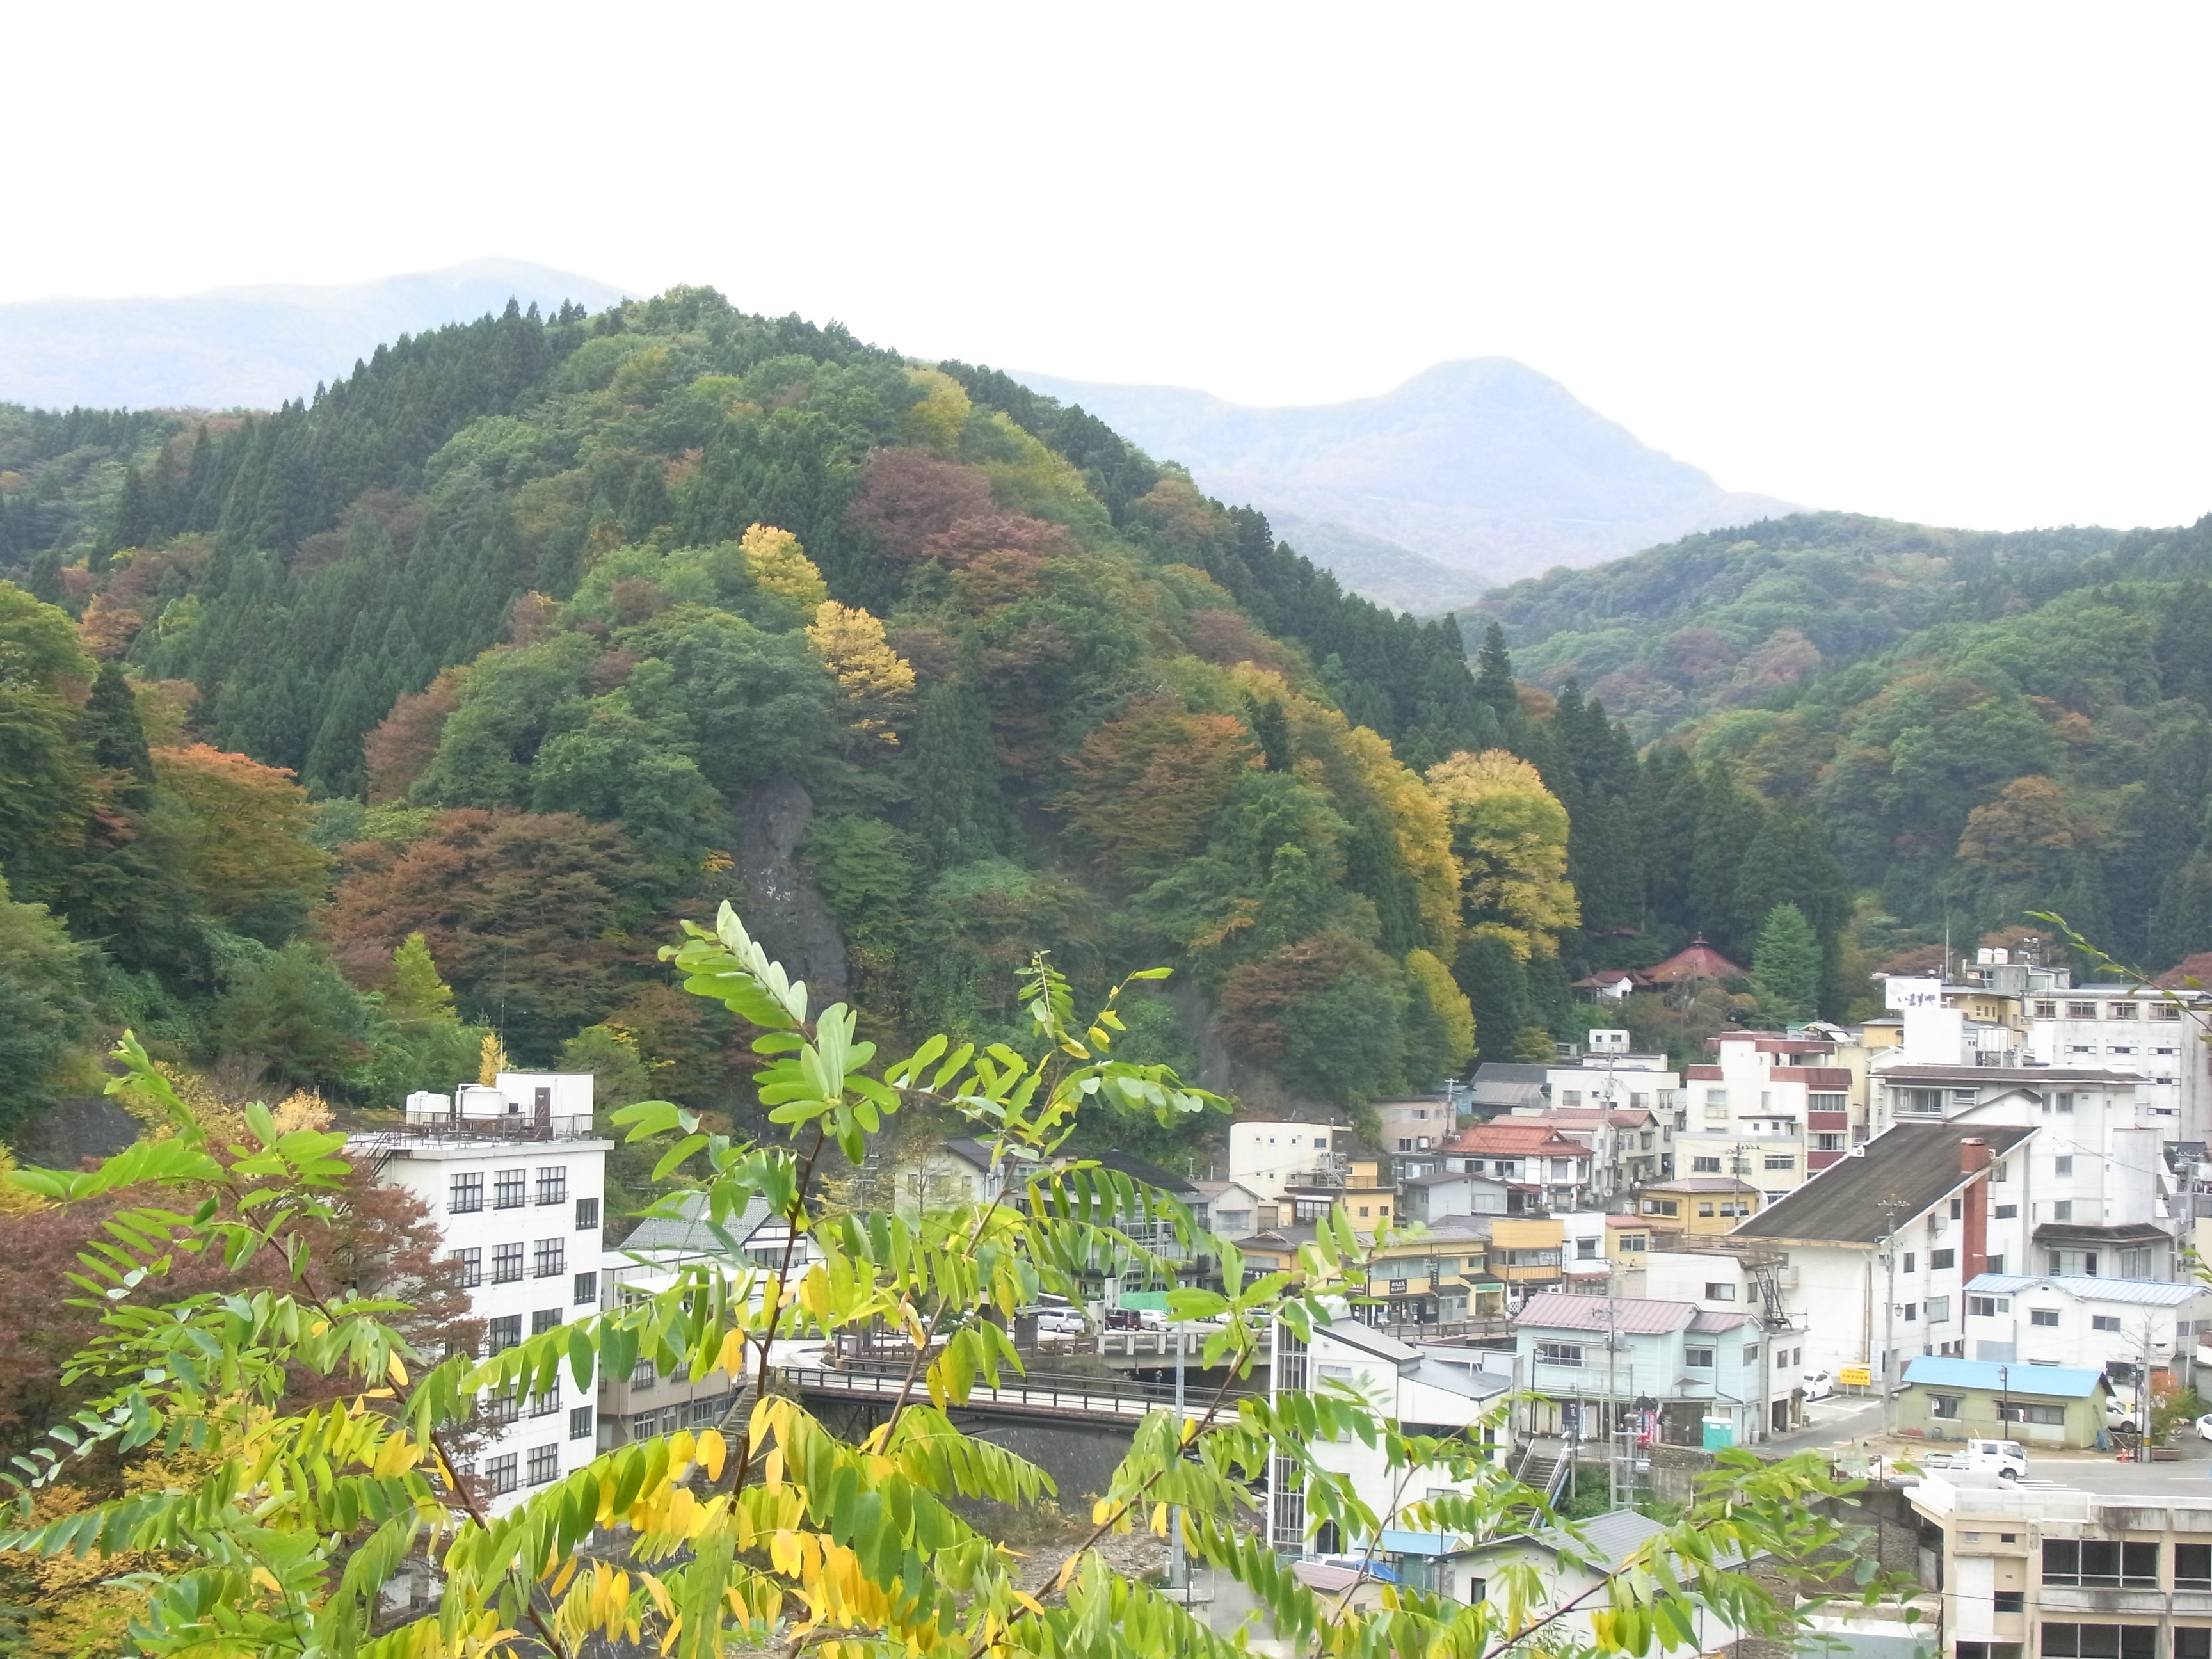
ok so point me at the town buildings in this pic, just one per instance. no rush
(1597, 1366)
(2054, 1406)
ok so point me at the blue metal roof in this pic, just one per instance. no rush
(1939, 1372)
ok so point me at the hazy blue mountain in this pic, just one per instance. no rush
(1483, 466)
(248, 347)
(1383, 571)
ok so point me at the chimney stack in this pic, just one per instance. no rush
(1974, 1209)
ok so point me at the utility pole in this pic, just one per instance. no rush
(1891, 1207)
(1178, 1569)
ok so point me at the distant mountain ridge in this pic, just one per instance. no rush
(1482, 465)
(250, 347)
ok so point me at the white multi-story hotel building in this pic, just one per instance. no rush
(515, 1178)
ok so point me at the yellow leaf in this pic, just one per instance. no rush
(397, 1372)
(712, 1451)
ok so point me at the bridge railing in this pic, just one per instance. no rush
(1082, 1396)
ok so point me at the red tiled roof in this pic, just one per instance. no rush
(1513, 1141)
(1705, 1074)
(1699, 961)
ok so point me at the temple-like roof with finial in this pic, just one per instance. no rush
(1699, 960)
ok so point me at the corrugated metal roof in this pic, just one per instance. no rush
(1916, 1164)
(2066, 1382)
(1558, 1310)
(1710, 1323)
(2143, 1293)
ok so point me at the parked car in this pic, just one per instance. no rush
(1061, 1322)
(2119, 1413)
(2005, 1458)
(2204, 1426)
(1819, 1385)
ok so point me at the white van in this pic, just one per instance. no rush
(2004, 1458)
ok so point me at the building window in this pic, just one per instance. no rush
(1945, 1405)
(1661, 1206)
(500, 1409)
(1631, 1242)
(1828, 1103)
(2063, 1210)
(2103, 1322)
(1989, 1650)
(1910, 1312)
(465, 1194)
(1939, 1310)
(2079, 1263)
(587, 1291)
(544, 1320)
(2027, 1411)
(2099, 1564)
(471, 1267)
(2120, 1010)
(1290, 1360)
(551, 1258)
(1988, 1307)
(2005, 1212)
(499, 1473)
(2081, 1011)
(2009, 1602)
(2164, 1011)
(1289, 1517)
(2135, 1264)
(509, 1188)
(1828, 1143)
(587, 1214)
(544, 1405)
(2099, 1641)
(553, 1184)
(2043, 1315)
(1698, 1359)
(1559, 1353)
(1909, 1260)
(1716, 1292)
(1751, 1353)
(1715, 1096)
(1704, 1166)
(503, 1333)
(580, 1422)
(2192, 1566)
(544, 1464)
(1996, 1262)
(1938, 1260)
(643, 1376)
(1781, 1161)
(506, 1263)
(2191, 1641)
(2062, 1166)
(1585, 1248)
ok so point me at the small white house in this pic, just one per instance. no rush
(2114, 1325)
(1266, 1155)
(1432, 1391)
(1451, 1192)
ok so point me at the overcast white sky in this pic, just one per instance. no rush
(1944, 262)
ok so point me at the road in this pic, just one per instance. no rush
(1839, 1421)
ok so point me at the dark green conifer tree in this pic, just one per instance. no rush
(959, 811)
(1786, 966)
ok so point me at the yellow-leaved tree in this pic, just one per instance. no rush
(1510, 835)
(286, 1532)
(874, 683)
(779, 565)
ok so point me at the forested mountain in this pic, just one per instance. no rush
(573, 625)
(1985, 724)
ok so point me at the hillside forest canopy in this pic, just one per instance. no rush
(348, 747)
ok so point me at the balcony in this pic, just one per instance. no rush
(514, 1126)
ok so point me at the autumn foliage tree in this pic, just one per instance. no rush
(529, 915)
(1510, 835)
(1148, 784)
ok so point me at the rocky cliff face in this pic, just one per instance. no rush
(783, 909)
